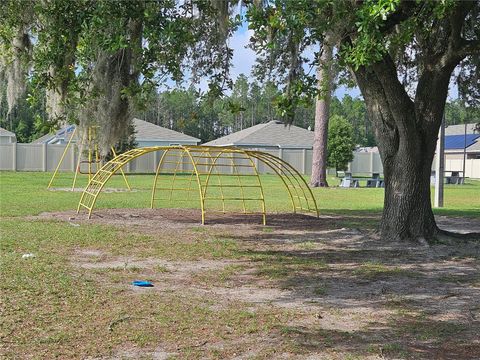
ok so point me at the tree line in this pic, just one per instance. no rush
(187, 111)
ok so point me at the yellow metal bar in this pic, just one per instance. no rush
(179, 159)
(240, 183)
(275, 168)
(202, 200)
(206, 164)
(264, 214)
(121, 170)
(129, 155)
(61, 159)
(281, 170)
(219, 181)
(296, 175)
(154, 189)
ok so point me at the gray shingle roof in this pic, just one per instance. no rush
(148, 131)
(5, 132)
(272, 133)
(460, 129)
(43, 139)
(145, 131)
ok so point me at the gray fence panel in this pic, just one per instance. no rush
(262, 167)
(7, 153)
(295, 158)
(54, 154)
(377, 164)
(308, 162)
(41, 157)
(30, 157)
(143, 164)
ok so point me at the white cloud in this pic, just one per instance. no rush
(243, 58)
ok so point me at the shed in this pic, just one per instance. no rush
(7, 137)
(271, 135)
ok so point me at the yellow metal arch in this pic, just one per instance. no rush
(292, 179)
(204, 163)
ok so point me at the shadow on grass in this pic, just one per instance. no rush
(428, 298)
(407, 339)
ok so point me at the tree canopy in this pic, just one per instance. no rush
(96, 59)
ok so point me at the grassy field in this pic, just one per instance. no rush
(25, 193)
(300, 287)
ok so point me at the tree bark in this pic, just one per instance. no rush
(406, 133)
(322, 114)
(407, 210)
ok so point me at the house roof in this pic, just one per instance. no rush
(148, 131)
(460, 141)
(5, 132)
(455, 138)
(272, 133)
(63, 133)
(144, 131)
(460, 129)
(43, 139)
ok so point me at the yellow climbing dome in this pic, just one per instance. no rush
(223, 179)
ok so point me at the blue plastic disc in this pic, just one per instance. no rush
(142, 283)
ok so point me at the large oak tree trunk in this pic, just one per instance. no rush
(406, 132)
(322, 114)
(407, 210)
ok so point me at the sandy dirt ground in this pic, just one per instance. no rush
(351, 292)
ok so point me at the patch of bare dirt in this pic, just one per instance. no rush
(353, 292)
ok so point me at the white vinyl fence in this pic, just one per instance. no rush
(43, 157)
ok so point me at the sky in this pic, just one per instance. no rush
(244, 58)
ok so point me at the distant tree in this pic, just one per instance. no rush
(340, 143)
(355, 111)
(325, 78)
(456, 112)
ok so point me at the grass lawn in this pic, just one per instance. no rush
(25, 193)
(326, 288)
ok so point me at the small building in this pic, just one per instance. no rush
(7, 137)
(146, 134)
(268, 136)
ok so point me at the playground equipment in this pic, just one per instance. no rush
(88, 143)
(225, 179)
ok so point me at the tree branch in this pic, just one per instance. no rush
(469, 47)
(405, 10)
(377, 108)
(457, 47)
